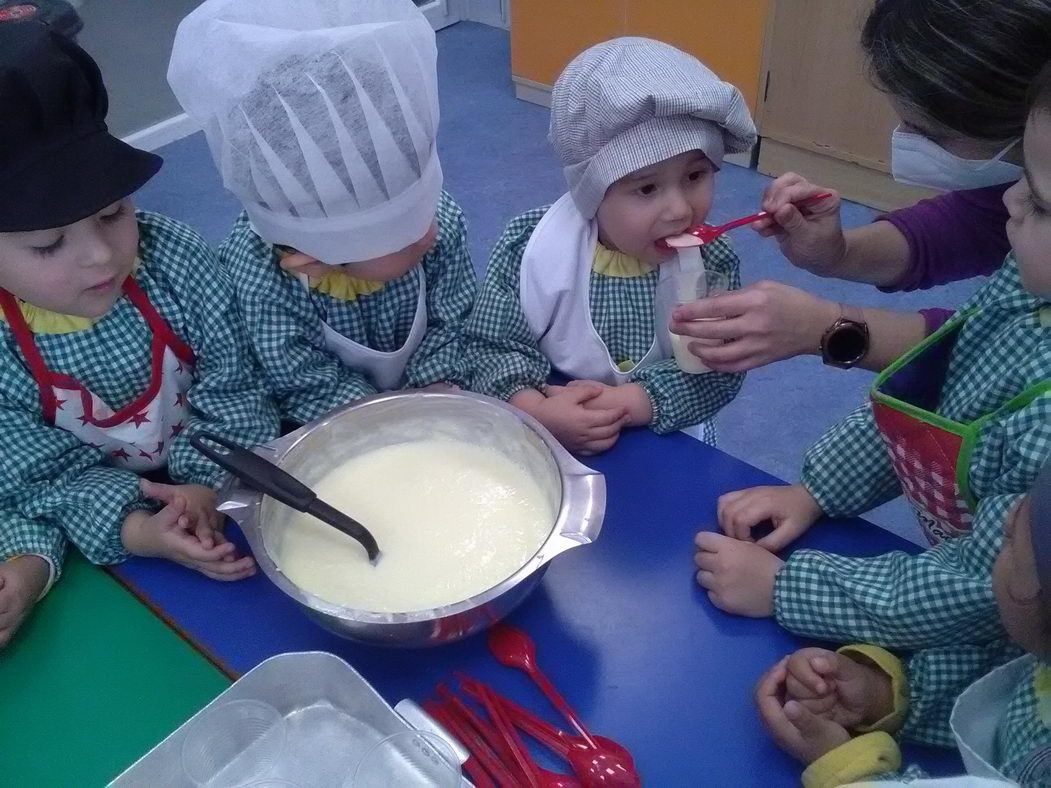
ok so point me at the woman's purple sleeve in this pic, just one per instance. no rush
(953, 236)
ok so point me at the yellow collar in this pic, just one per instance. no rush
(1042, 690)
(44, 321)
(617, 264)
(342, 286)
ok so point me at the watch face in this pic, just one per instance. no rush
(847, 344)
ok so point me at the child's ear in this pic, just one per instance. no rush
(299, 263)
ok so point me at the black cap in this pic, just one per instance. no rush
(58, 162)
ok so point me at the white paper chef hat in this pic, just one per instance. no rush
(322, 117)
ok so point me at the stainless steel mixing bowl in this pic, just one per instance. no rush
(577, 497)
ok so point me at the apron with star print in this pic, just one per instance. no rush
(138, 436)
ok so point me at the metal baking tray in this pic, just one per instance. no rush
(327, 718)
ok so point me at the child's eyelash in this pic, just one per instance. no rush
(114, 216)
(50, 249)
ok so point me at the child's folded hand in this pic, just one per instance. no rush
(579, 428)
(630, 396)
(200, 506)
(790, 509)
(797, 731)
(170, 534)
(838, 688)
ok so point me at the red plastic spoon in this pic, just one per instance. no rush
(515, 649)
(706, 233)
(543, 778)
(609, 765)
(483, 761)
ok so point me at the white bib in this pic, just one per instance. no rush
(386, 371)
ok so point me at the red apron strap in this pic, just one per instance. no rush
(26, 343)
(158, 325)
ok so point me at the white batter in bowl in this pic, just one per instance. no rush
(452, 519)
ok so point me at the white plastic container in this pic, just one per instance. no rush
(691, 283)
(299, 719)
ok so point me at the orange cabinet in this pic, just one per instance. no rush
(726, 37)
(547, 34)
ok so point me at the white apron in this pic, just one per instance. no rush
(386, 371)
(554, 287)
(139, 435)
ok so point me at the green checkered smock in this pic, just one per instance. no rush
(943, 596)
(54, 487)
(284, 319)
(504, 356)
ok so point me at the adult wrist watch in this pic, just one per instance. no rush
(845, 342)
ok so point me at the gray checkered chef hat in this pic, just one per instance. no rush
(321, 116)
(630, 103)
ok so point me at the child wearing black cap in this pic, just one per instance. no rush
(836, 711)
(116, 340)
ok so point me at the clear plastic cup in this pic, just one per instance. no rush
(410, 758)
(233, 744)
(693, 284)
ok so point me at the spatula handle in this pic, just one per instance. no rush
(258, 473)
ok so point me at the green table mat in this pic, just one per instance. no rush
(91, 682)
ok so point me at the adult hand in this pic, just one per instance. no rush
(811, 238)
(749, 328)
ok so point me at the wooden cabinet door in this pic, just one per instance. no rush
(818, 96)
(726, 37)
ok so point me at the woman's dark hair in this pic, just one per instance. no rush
(967, 65)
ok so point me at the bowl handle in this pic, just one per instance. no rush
(583, 509)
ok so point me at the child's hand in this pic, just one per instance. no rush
(739, 576)
(579, 429)
(814, 241)
(200, 506)
(797, 731)
(22, 581)
(631, 397)
(299, 263)
(170, 534)
(836, 687)
(790, 509)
